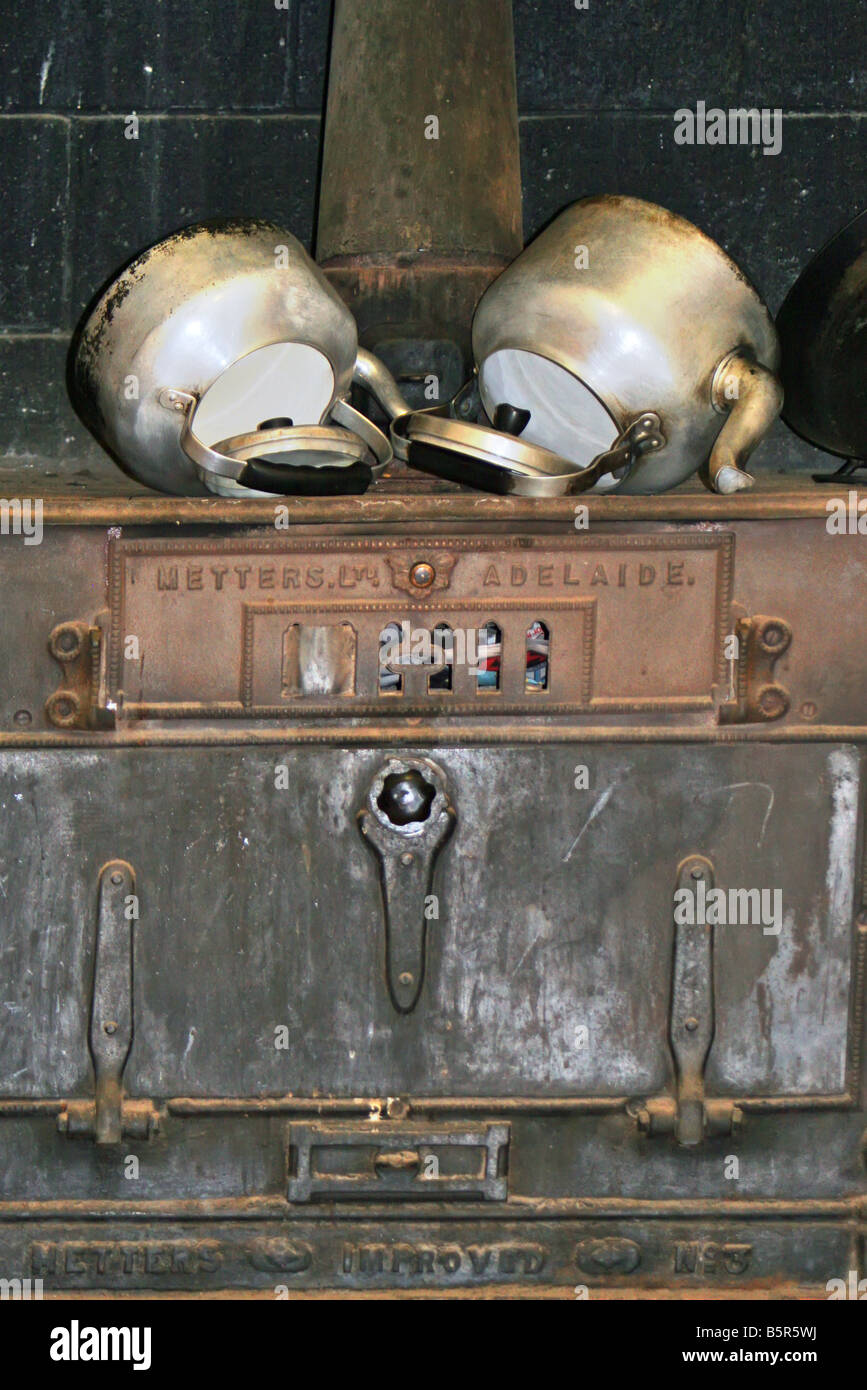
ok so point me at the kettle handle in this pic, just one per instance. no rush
(372, 373)
(351, 429)
(752, 397)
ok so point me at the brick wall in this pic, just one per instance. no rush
(229, 94)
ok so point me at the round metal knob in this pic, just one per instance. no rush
(422, 575)
(406, 797)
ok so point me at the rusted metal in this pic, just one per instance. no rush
(690, 1115)
(551, 1209)
(412, 240)
(377, 1106)
(761, 641)
(623, 609)
(251, 721)
(406, 819)
(431, 734)
(488, 1248)
(427, 504)
(692, 1007)
(420, 304)
(407, 1161)
(111, 1116)
(80, 701)
(610, 603)
(699, 1241)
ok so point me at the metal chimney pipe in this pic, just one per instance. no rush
(420, 197)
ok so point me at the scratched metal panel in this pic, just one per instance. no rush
(261, 907)
(681, 1255)
(804, 1156)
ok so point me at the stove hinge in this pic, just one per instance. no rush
(754, 695)
(689, 1114)
(111, 1116)
(81, 699)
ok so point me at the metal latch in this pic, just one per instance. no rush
(406, 821)
(689, 1114)
(380, 1158)
(111, 1116)
(755, 695)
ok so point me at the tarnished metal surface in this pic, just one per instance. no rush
(633, 310)
(406, 820)
(691, 1028)
(691, 1255)
(81, 700)
(658, 649)
(240, 1054)
(410, 1161)
(181, 317)
(420, 204)
(618, 611)
(760, 642)
(110, 1117)
(411, 499)
(437, 441)
(262, 995)
(233, 865)
(383, 107)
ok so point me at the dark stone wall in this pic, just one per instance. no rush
(229, 95)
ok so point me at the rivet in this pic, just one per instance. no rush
(64, 708)
(422, 574)
(772, 702)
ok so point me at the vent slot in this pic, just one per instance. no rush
(537, 657)
(490, 659)
(443, 656)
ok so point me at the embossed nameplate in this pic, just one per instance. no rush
(273, 627)
(679, 1256)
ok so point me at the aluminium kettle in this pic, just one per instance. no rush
(220, 361)
(621, 313)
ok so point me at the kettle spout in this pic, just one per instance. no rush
(753, 398)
